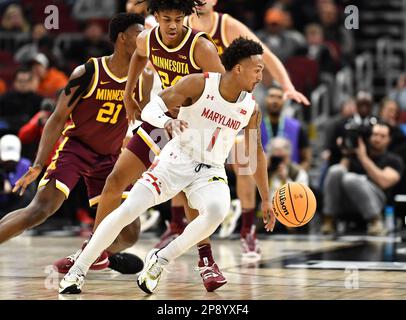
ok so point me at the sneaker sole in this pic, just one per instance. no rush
(73, 289)
(215, 286)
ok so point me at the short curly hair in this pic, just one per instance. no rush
(238, 50)
(121, 22)
(185, 6)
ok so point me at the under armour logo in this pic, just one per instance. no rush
(244, 112)
(210, 97)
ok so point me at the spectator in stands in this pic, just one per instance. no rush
(135, 6)
(20, 104)
(362, 118)
(93, 9)
(362, 181)
(93, 44)
(302, 12)
(339, 39)
(283, 43)
(333, 126)
(3, 86)
(12, 167)
(399, 94)
(275, 124)
(318, 51)
(51, 80)
(30, 133)
(13, 19)
(280, 166)
(389, 112)
(41, 41)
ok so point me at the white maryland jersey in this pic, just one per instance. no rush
(213, 123)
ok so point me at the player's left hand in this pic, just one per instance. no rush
(296, 96)
(268, 216)
(174, 127)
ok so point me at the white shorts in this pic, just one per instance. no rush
(173, 171)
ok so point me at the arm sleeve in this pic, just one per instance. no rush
(154, 112)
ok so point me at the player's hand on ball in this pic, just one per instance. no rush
(268, 216)
(174, 127)
(30, 176)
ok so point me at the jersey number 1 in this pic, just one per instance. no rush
(213, 139)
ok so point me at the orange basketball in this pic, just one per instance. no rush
(294, 204)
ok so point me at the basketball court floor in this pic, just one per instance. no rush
(292, 267)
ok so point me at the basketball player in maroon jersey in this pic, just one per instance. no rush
(168, 46)
(224, 29)
(93, 101)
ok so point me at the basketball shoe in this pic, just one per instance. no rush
(149, 277)
(63, 265)
(172, 232)
(211, 275)
(250, 245)
(72, 283)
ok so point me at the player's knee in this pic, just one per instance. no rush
(114, 183)
(217, 209)
(38, 213)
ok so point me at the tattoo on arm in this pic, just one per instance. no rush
(82, 81)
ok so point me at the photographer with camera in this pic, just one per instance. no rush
(281, 169)
(349, 127)
(363, 179)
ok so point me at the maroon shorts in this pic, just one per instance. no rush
(73, 160)
(147, 143)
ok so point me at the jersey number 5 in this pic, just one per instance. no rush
(109, 113)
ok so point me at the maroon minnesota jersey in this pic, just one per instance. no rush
(99, 118)
(172, 64)
(218, 32)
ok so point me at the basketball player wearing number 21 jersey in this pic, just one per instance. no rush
(211, 102)
(92, 106)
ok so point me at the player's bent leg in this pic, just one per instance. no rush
(213, 203)
(206, 258)
(138, 201)
(46, 202)
(127, 169)
(177, 222)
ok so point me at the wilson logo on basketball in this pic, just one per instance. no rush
(282, 200)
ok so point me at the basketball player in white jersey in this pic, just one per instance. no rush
(214, 108)
(223, 29)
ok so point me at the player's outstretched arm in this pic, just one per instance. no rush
(206, 56)
(184, 93)
(260, 173)
(235, 29)
(137, 64)
(78, 84)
